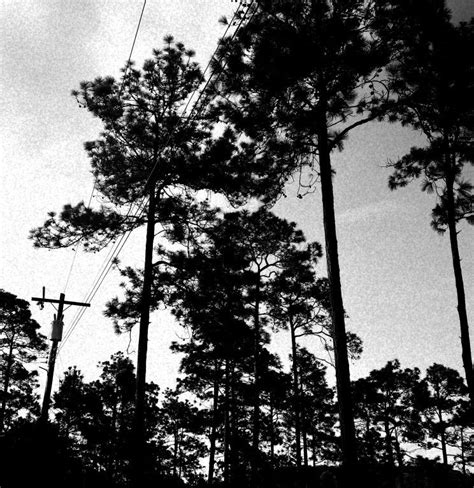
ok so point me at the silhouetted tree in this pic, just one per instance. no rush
(463, 436)
(97, 418)
(149, 146)
(228, 275)
(433, 78)
(390, 405)
(293, 85)
(20, 344)
(72, 404)
(446, 389)
(264, 240)
(277, 400)
(181, 424)
(206, 287)
(317, 411)
(297, 301)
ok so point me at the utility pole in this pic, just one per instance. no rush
(56, 336)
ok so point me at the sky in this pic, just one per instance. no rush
(397, 277)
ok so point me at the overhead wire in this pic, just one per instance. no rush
(78, 245)
(100, 276)
(203, 78)
(95, 180)
(120, 243)
(133, 45)
(109, 258)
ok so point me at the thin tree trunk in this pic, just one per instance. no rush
(398, 451)
(388, 443)
(343, 383)
(444, 450)
(256, 386)
(305, 448)
(212, 437)
(461, 297)
(234, 430)
(272, 434)
(6, 385)
(112, 459)
(145, 304)
(227, 424)
(175, 453)
(296, 396)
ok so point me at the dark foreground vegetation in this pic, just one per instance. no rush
(287, 88)
(202, 429)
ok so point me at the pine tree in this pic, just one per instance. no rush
(149, 157)
(21, 343)
(298, 78)
(432, 79)
(97, 418)
(298, 302)
(446, 390)
(390, 402)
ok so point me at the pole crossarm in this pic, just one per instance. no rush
(65, 302)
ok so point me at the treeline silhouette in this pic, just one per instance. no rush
(285, 91)
(201, 430)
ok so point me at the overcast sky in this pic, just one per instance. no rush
(398, 283)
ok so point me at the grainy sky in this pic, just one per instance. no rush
(397, 275)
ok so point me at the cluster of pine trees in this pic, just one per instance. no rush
(287, 88)
(201, 432)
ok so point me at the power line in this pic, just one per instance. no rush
(133, 46)
(95, 180)
(101, 274)
(79, 242)
(120, 244)
(193, 110)
(106, 267)
(212, 57)
(120, 92)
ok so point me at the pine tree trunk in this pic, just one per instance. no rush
(272, 434)
(234, 429)
(175, 453)
(461, 297)
(388, 443)
(111, 460)
(145, 303)
(398, 451)
(227, 432)
(256, 386)
(6, 386)
(212, 437)
(343, 382)
(305, 446)
(444, 450)
(296, 396)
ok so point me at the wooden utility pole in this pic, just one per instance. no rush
(56, 336)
